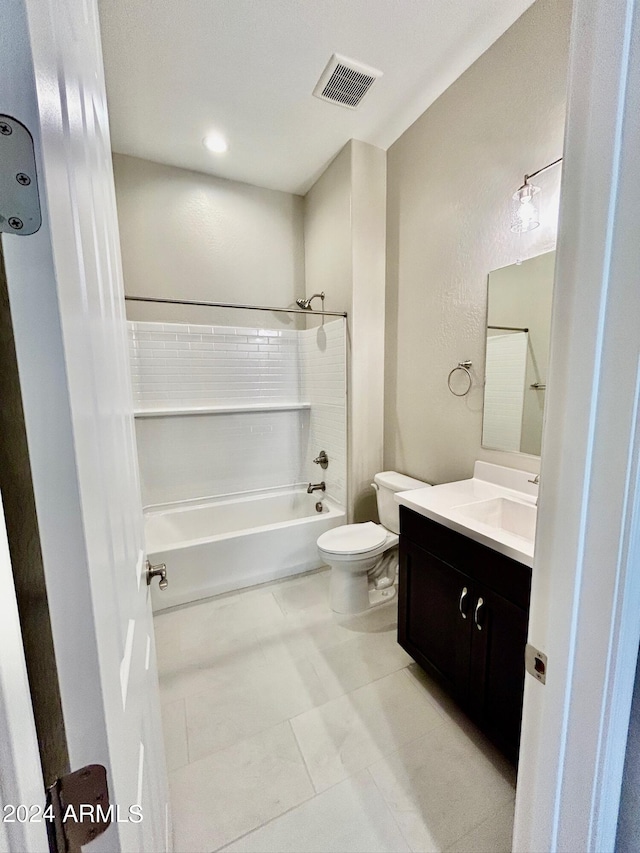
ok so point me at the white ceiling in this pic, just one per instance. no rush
(177, 69)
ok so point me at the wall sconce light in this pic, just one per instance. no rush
(525, 210)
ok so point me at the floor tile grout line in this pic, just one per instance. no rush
(304, 760)
(305, 575)
(449, 720)
(279, 606)
(389, 756)
(476, 827)
(443, 720)
(285, 719)
(308, 800)
(240, 740)
(424, 692)
(388, 807)
(290, 721)
(320, 650)
(314, 793)
(349, 692)
(267, 822)
(186, 731)
(383, 757)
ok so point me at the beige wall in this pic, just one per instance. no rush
(193, 236)
(345, 256)
(450, 177)
(366, 398)
(327, 235)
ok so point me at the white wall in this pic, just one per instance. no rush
(193, 236)
(450, 178)
(324, 378)
(200, 456)
(345, 214)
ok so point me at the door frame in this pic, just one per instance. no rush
(22, 781)
(585, 605)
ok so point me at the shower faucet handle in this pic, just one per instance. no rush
(322, 460)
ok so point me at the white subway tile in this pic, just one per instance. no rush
(200, 365)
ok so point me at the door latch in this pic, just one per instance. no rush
(535, 663)
(19, 199)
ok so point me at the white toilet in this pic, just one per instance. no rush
(364, 557)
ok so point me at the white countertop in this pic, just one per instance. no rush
(443, 503)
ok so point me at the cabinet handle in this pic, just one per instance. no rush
(477, 613)
(463, 595)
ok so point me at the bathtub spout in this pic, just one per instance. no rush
(316, 487)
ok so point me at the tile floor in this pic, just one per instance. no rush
(287, 730)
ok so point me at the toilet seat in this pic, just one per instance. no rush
(353, 539)
(364, 557)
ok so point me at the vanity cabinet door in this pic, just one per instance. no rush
(497, 667)
(435, 616)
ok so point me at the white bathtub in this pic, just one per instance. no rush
(230, 543)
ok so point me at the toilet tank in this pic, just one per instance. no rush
(386, 484)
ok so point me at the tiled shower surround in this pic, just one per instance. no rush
(176, 365)
(227, 409)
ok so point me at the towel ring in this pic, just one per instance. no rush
(461, 365)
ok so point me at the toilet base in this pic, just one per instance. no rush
(353, 592)
(382, 596)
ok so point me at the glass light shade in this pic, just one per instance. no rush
(525, 213)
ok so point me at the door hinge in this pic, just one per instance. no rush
(19, 199)
(78, 804)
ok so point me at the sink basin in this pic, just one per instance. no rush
(514, 517)
(496, 507)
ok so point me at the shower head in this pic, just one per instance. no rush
(306, 303)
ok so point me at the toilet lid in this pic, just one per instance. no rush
(353, 538)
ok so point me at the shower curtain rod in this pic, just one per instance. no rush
(309, 313)
(509, 328)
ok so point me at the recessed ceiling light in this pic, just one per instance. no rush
(215, 142)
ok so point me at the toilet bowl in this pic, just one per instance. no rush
(364, 557)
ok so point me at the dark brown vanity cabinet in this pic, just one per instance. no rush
(463, 616)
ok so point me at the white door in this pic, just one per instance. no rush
(66, 295)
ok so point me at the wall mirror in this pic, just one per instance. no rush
(517, 354)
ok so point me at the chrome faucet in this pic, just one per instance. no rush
(322, 460)
(316, 487)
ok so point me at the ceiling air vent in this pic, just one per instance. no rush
(345, 81)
